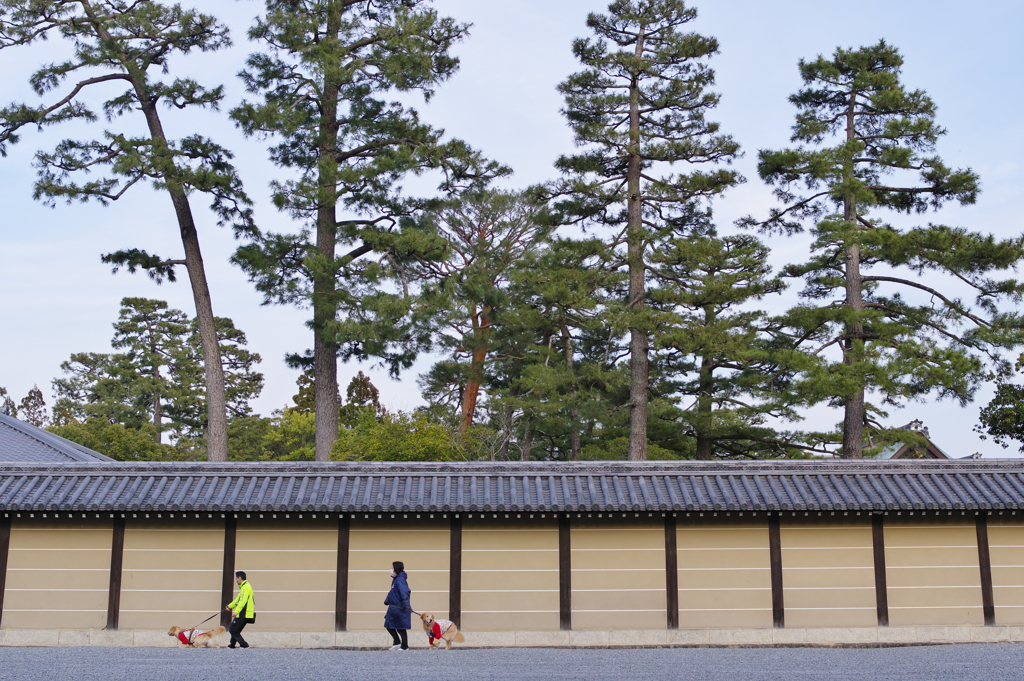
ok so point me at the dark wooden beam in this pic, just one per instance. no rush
(671, 572)
(227, 584)
(775, 559)
(5, 548)
(988, 603)
(455, 572)
(881, 590)
(116, 561)
(564, 575)
(341, 588)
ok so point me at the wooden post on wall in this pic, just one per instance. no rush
(881, 589)
(227, 584)
(455, 572)
(341, 588)
(775, 561)
(5, 547)
(116, 561)
(671, 572)
(985, 564)
(564, 575)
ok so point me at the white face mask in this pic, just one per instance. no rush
(394, 574)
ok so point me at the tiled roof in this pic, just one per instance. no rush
(349, 487)
(23, 442)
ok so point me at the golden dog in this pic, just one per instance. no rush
(440, 630)
(198, 639)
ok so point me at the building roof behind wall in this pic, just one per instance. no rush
(348, 487)
(23, 442)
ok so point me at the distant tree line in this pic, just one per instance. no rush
(605, 314)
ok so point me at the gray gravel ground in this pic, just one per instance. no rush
(993, 662)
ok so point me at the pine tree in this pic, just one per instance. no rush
(640, 105)
(715, 345)
(864, 136)
(7, 405)
(321, 84)
(486, 234)
(33, 408)
(156, 380)
(129, 43)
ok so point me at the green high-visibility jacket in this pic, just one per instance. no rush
(243, 602)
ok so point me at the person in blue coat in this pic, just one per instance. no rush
(398, 619)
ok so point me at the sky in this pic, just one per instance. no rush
(57, 298)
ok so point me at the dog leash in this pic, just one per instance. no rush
(191, 637)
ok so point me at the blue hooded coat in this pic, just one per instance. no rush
(399, 610)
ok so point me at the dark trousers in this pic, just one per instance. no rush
(395, 633)
(236, 627)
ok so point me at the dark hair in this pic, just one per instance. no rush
(398, 567)
(240, 574)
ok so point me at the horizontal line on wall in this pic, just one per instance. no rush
(508, 570)
(872, 608)
(660, 549)
(832, 567)
(618, 570)
(731, 588)
(972, 547)
(170, 569)
(61, 610)
(99, 550)
(398, 551)
(936, 607)
(383, 591)
(250, 530)
(723, 548)
(376, 531)
(10, 588)
(612, 591)
(509, 550)
(509, 591)
(725, 609)
(263, 571)
(930, 567)
(420, 572)
(944, 586)
(218, 551)
(65, 569)
(508, 612)
(826, 588)
(262, 611)
(612, 611)
(286, 550)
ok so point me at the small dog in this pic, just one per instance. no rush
(441, 630)
(192, 638)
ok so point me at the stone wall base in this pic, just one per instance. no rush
(378, 640)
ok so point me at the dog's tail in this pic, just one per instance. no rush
(217, 631)
(459, 638)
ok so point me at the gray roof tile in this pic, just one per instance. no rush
(349, 487)
(23, 442)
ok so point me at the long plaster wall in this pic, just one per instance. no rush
(58, 571)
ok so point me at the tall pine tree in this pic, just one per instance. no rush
(321, 86)
(132, 44)
(638, 106)
(868, 146)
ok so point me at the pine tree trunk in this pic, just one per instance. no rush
(854, 408)
(639, 368)
(216, 400)
(481, 338)
(704, 411)
(524, 453)
(574, 414)
(325, 346)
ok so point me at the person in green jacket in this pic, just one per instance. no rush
(244, 610)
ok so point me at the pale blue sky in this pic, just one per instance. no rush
(57, 298)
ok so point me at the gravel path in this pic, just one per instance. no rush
(989, 662)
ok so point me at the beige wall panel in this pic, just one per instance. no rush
(171, 572)
(421, 544)
(618, 575)
(724, 575)
(58, 574)
(932, 573)
(1006, 549)
(509, 575)
(828, 573)
(292, 566)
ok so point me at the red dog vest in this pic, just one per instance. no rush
(439, 629)
(189, 635)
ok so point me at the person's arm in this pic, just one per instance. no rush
(232, 604)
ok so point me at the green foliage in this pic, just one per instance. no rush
(32, 409)
(1002, 418)
(650, 163)
(157, 377)
(864, 136)
(116, 440)
(7, 404)
(395, 437)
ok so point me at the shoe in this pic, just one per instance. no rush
(397, 646)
